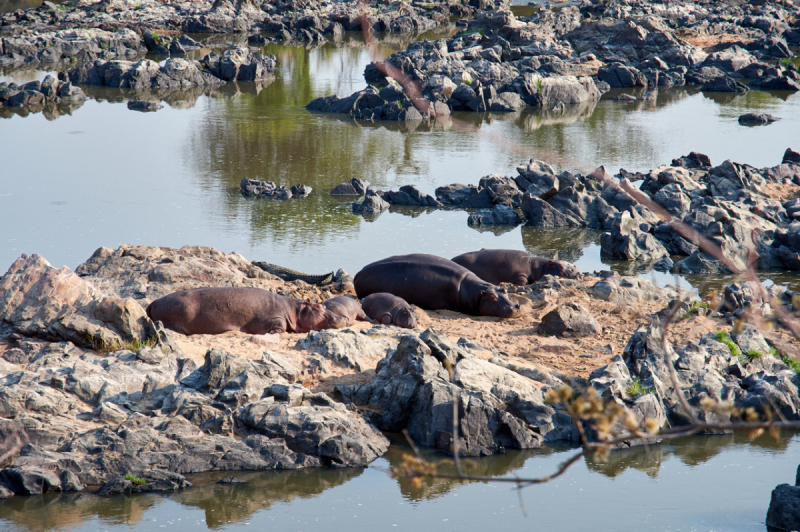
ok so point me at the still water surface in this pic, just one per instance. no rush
(705, 483)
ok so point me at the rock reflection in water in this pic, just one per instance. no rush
(491, 466)
(64, 512)
(569, 243)
(222, 504)
(225, 504)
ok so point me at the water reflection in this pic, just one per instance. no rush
(68, 511)
(308, 499)
(225, 504)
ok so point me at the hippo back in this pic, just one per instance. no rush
(497, 266)
(427, 281)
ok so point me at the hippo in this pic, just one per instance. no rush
(345, 306)
(249, 310)
(388, 309)
(434, 283)
(511, 266)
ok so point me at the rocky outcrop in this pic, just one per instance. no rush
(144, 74)
(235, 64)
(267, 189)
(37, 95)
(159, 417)
(784, 506)
(147, 273)
(705, 369)
(69, 46)
(40, 301)
(498, 409)
(157, 21)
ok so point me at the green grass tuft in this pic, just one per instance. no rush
(696, 305)
(752, 354)
(103, 347)
(539, 85)
(786, 61)
(724, 338)
(136, 480)
(635, 388)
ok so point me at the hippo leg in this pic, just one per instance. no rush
(520, 280)
(273, 326)
(386, 319)
(361, 316)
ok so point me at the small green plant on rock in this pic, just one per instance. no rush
(156, 37)
(468, 82)
(102, 346)
(539, 85)
(725, 338)
(636, 388)
(785, 61)
(136, 480)
(695, 306)
(789, 361)
(752, 354)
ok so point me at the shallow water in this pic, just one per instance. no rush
(705, 483)
(106, 175)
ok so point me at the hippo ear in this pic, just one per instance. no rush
(317, 306)
(307, 302)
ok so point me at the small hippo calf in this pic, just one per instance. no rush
(511, 266)
(388, 309)
(434, 283)
(346, 306)
(249, 310)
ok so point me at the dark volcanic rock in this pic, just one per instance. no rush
(784, 507)
(757, 118)
(497, 408)
(497, 215)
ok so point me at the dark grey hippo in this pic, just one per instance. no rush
(433, 282)
(389, 309)
(511, 266)
(346, 306)
(249, 310)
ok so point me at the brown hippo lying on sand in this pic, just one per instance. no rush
(433, 282)
(346, 306)
(249, 310)
(388, 309)
(511, 266)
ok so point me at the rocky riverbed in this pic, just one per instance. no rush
(96, 391)
(556, 59)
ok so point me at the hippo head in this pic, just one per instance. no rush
(495, 302)
(315, 317)
(561, 269)
(405, 318)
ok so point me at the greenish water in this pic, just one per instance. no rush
(704, 483)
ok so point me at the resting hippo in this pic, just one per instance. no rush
(433, 282)
(345, 306)
(389, 310)
(249, 310)
(511, 266)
